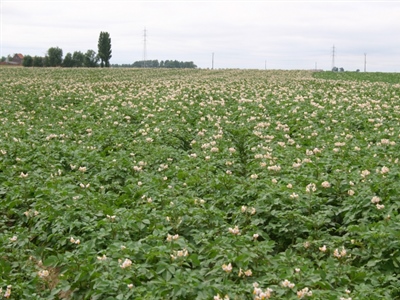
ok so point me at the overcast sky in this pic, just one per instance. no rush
(241, 34)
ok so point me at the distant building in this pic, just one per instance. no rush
(15, 61)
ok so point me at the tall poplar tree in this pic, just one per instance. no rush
(104, 46)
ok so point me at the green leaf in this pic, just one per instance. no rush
(51, 261)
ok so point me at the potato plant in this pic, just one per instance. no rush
(198, 184)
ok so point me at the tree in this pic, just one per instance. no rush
(91, 59)
(38, 61)
(78, 59)
(55, 55)
(28, 61)
(104, 49)
(68, 62)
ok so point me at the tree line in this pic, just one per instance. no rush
(90, 59)
(156, 64)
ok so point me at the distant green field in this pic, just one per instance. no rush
(357, 76)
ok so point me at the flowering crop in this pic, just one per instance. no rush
(198, 184)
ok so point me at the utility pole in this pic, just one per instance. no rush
(365, 62)
(333, 57)
(144, 47)
(212, 62)
(265, 67)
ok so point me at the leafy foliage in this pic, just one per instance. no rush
(54, 57)
(197, 184)
(104, 49)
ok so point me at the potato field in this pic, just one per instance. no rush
(199, 184)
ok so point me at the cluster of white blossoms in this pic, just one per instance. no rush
(384, 170)
(73, 241)
(148, 199)
(179, 254)
(247, 273)
(323, 248)
(43, 273)
(386, 142)
(311, 188)
(288, 284)
(199, 201)
(325, 184)
(162, 167)
(235, 230)
(126, 263)
(31, 213)
(340, 254)
(297, 165)
(58, 173)
(101, 258)
(137, 168)
(227, 268)
(304, 292)
(365, 173)
(111, 218)
(259, 294)
(250, 210)
(23, 175)
(7, 293)
(309, 152)
(376, 200)
(274, 168)
(350, 192)
(214, 149)
(171, 238)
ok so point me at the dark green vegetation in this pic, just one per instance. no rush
(186, 184)
(104, 49)
(54, 56)
(360, 76)
(162, 64)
